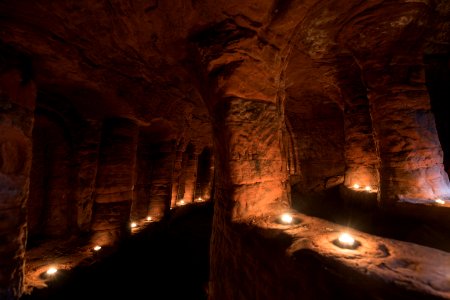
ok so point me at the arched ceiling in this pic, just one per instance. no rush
(134, 58)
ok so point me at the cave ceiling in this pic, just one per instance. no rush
(136, 58)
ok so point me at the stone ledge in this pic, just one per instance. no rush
(379, 267)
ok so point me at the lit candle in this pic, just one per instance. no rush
(368, 188)
(181, 202)
(97, 248)
(286, 218)
(439, 201)
(52, 271)
(149, 218)
(133, 225)
(356, 186)
(346, 240)
(200, 199)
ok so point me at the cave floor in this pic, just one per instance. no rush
(165, 260)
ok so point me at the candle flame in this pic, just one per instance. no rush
(346, 240)
(133, 225)
(286, 218)
(97, 248)
(356, 186)
(52, 271)
(439, 201)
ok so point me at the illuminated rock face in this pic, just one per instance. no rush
(307, 95)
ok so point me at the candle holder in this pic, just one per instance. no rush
(346, 241)
(439, 201)
(287, 219)
(49, 273)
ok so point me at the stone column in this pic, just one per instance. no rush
(161, 188)
(205, 175)
(360, 153)
(17, 101)
(139, 209)
(115, 180)
(361, 157)
(411, 156)
(190, 181)
(87, 157)
(391, 61)
(208, 187)
(248, 118)
(176, 173)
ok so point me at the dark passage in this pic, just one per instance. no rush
(167, 260)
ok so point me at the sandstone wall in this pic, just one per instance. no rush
(266, 260)
(115, 181)
(17, 100)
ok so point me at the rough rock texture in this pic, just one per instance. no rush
(87, 157)
(163, 158)
(176, 174)
(300, 92)
(51, 201)
(144, 165)
(115, 181)
(17, 100)
(361, 157)
(190, 176)
(302, 261)
(205, 175)
(410, 152)
(321, 157)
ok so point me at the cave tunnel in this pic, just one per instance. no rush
(184, 149)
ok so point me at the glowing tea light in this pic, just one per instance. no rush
(133, 225)
(200, 199)
(149, 218)
(52, 271)
(439, 201)
(181, 202)
(286, 218)
(346, 240)
(368, 188)
(356, 186)
(97, 248)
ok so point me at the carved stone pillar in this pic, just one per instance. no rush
(205, 175)
(17, 101)
(141, 200)
(360, 151)
(411, 156)
(115, 181)
(248, 117)
(176, 177)
(87, 156)
(190, 181)
(163, 158)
